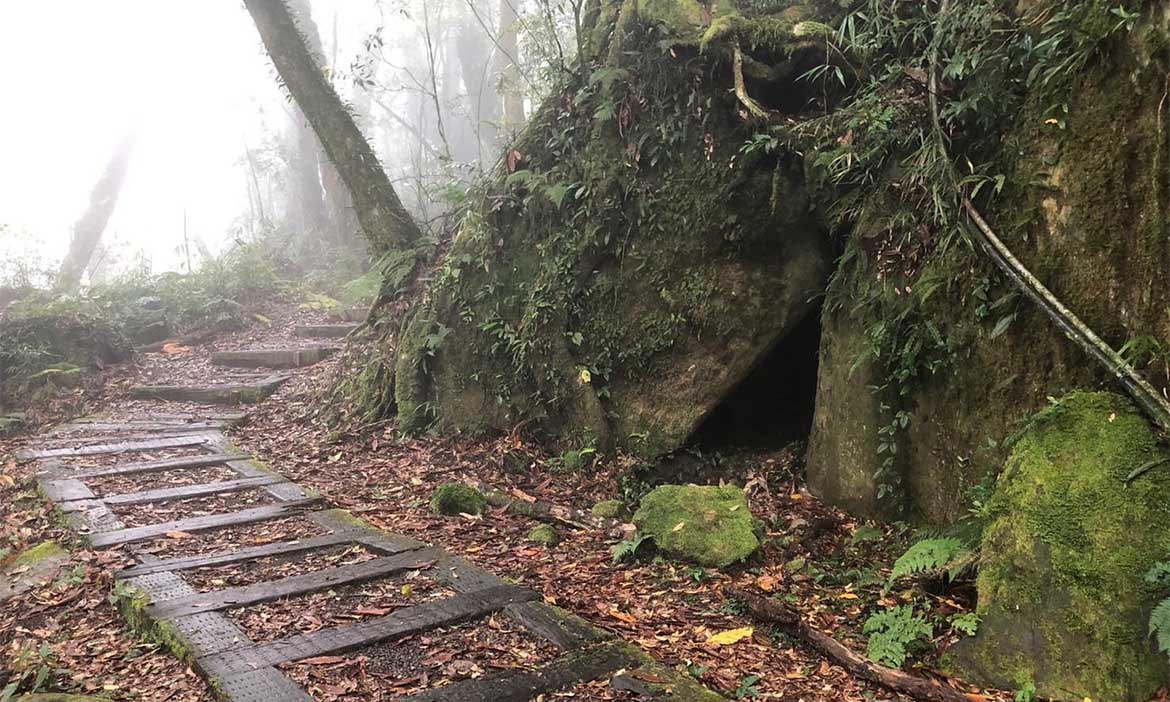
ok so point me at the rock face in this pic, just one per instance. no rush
(1084, 211)
(1060, 581)
(711, 526)
(631, 269)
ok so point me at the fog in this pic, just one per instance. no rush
(192, 78)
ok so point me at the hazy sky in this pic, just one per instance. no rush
(75, 75)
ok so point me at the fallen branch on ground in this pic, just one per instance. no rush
(769, 610)
(547, 512)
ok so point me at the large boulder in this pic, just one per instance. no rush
(633, 264)
(1061, 591)
(708, 525)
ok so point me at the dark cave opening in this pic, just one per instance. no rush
(773, 406)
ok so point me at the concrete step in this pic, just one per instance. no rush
(273, 358)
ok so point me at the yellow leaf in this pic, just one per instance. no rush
(731, 636)
(586, 377)
(679, 526)
(407, 589)
(848, 596)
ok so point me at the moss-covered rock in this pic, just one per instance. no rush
(633, 267)
(544, 535)
(708, 525)
(1060, 580)
(609, 509)
(452, 499)
(41, 552)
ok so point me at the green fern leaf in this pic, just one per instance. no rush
(1160, 625)
(934, 556)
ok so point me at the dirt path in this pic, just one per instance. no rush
(230, 544)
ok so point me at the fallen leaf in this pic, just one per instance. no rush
(726, 638)
(679, 526)
(179, 535)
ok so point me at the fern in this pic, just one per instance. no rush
(628, 549)
(1159, 577)
(943, 556)
(892, 631)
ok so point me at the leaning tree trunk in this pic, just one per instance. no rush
(508, 66)
(384, 220)
(87, 233)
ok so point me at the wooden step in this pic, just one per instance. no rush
(226, 394)
(204, 523)
(324, 331)
(273, 358)
(116, 447)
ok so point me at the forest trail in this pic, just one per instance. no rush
(282, 561)
(92, 470)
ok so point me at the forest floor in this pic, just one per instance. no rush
(829, 567)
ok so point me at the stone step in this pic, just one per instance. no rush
(349, 314)
(324, 331)
(273, 358)
(225, 394)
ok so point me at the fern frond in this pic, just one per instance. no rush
(947, 556)
(1160, 625)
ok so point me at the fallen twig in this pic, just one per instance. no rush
(772, 611)
(547, 512)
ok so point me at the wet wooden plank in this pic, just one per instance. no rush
(189, 491)
(212, 459)
(293, 585)
(273, 358)
(340, 639)
(197, 524)
(116, 447)
(521, 686)
(280, 548)
(225, 394)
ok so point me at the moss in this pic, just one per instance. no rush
(453, 499)
(609, 509)
(544, 535)
(1060, 583)
(39, 553)
(711, 526)
(132, 602)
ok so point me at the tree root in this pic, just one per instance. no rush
(741, 87)
(546, 512)
(769, 610)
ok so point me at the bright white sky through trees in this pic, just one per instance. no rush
(77, 74)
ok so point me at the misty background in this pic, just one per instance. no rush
(430, 83)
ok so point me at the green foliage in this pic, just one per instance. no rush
(748, 688)
(941, 556)
(1159, 577)
(892, 632)
(33, 670)
(627, 549)
(965, 623)
(1026, 693)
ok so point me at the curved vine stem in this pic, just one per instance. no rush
(1138, 388)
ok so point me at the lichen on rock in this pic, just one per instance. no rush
(708, 525)
(1060, 582)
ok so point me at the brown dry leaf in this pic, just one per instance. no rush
(179, 535)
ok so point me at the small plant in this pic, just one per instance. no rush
(966, 623)
(946, 556)
(1027, 692)
(1159, 577)
(747, 688)
(33, 671)
(892, 632)
(627, 550)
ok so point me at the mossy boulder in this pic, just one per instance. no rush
(544, 535)
(609, 509)
(708, 525)
(628, 268)
(453, 499)
(1060, 582)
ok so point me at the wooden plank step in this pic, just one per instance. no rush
(225, 394)
(211, 459)
(116, 447)
(273, 358)
(165, 418)
(348, 637)
(204, 523)
(67, 432)
(293, 585)
(521, 686)
(281, 548)
(188, 491)
(324, 331)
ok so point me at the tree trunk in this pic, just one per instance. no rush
(508, 68)
(87, 233)
(385, 221)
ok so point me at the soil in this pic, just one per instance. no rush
(401, 667)
(275, 567)
(303, 614)
(179, 545)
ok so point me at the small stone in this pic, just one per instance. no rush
(711, 526)
(453, 499)
(609, 509)
(544, 535)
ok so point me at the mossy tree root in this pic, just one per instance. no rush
(1156, 407)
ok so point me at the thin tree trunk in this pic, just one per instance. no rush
(87, 233)
(385, 221)
(508, 66)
